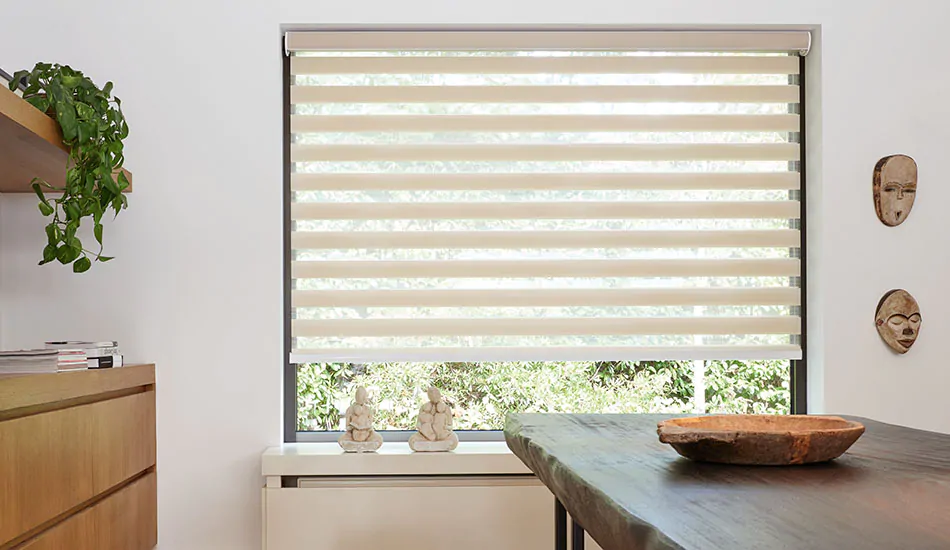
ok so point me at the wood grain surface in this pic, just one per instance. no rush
(62, 389)
(54, 461)
(891, 490)
(124, 521)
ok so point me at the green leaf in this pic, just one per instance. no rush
(107, 89)
(74, 252)
(105, 197)
(98, 232)
(49, 254)
(71, 81)
(66, 115)
(85, 112)
(17, 77)
(56, 92)
(51, 236)
(123, 182)
(86, 130)
(104, 258)
(72, 176)
(39, 193)
(71, 228)
(72, 211)
(45, 209)
(82, 265)
(110, 184)
(96, 209)
(64, 254)
(38, 101)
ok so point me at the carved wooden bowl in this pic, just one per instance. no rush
(760, 439)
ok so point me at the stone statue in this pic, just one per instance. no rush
(898, 320)
(895, 186)
(434, 425)
(360, 437)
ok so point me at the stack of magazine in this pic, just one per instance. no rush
(29, 361)
(70, 359)
(98, 355)
(61, 356)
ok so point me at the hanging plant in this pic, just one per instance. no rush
(93, 129)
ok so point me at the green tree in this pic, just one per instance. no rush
(483, 393)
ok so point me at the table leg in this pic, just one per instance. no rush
(560, 526)
(577, 536)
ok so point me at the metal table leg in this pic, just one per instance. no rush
(560, 529)
(577, 536)
(560, 526)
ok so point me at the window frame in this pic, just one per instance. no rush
(797, 367)
(798, 377)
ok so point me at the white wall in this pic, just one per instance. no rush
(197, 283)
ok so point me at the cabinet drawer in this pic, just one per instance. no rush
(123, 521)
(52, 462)
(406, 514)
(411, 512)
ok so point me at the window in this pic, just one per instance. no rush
(585, 221)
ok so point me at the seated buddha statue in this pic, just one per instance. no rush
(434, 425)
(360, 437)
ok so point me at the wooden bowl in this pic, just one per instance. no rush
(760, 439)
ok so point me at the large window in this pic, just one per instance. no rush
(546, 221)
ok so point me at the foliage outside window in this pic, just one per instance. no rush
(483, 393)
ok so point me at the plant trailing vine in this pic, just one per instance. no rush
(93, 130)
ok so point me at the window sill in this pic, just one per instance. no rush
(392, 459)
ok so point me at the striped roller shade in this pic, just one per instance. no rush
(480, 196)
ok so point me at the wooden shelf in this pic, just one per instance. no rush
(31, 146)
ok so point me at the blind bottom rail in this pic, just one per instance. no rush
(553, 354)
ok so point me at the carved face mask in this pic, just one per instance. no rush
(898, 320)
(895, 186)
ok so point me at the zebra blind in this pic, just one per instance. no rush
(544, 196)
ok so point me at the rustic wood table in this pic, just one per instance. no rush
(891, 490)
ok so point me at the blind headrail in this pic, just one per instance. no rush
(797, 41)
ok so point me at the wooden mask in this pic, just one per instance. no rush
(898, 320)
(895, 186)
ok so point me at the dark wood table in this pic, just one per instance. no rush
(891, 490)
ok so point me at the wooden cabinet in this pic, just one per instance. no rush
(77, 459)
(124, 520)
